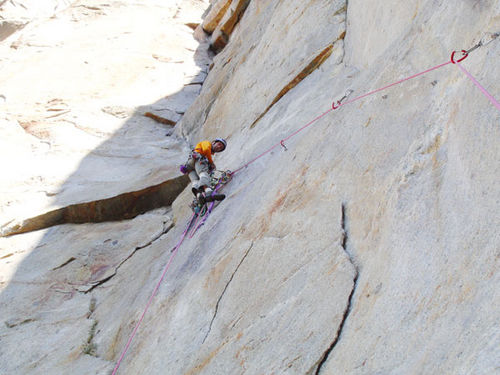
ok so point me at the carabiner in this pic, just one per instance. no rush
(464, 56)
(339, 102)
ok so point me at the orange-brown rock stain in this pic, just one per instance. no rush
(216, 272)
(205, 361)
(314, 64)
(286, 201)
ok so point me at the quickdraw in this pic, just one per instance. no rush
(465, 53)
(339, 102)
(227, 175)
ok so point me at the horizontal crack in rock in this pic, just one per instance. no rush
(121, 207)
(166, 229)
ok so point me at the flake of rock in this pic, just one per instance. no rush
(217, 10)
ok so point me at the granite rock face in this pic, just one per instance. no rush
(368, 246)
(16, 14)
(73, 107)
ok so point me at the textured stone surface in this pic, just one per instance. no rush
(267, 40)
(27, 11)
(224, 29)
(416, 167)
(214, 15)
(369, 247)
(47, 310)
(76, 89)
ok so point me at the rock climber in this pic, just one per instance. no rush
(199, 166)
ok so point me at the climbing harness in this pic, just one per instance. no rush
(218, 182)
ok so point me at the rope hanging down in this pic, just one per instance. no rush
(483, 90)
(220, 183)
(335, 105)
(151, 298)
(475, 81)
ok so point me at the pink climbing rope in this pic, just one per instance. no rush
(395, 83)
(209, 211)
(475, 81)
(483, 90)
(336, 105)
(151, 298)
(281, 143)
(195, 227)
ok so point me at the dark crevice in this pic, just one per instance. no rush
(344, 231)
(194, 83)
(121, 207)
(345, 31)
(230, 17)
(166, 229)
(314, 64)
(161, 120)
(348, 309)
(18, 322)
(64, 264)
(224, 291)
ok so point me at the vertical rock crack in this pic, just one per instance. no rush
(348, 309)
(224, 291)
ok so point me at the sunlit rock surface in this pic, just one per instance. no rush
(75, 90)
(370, 246)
